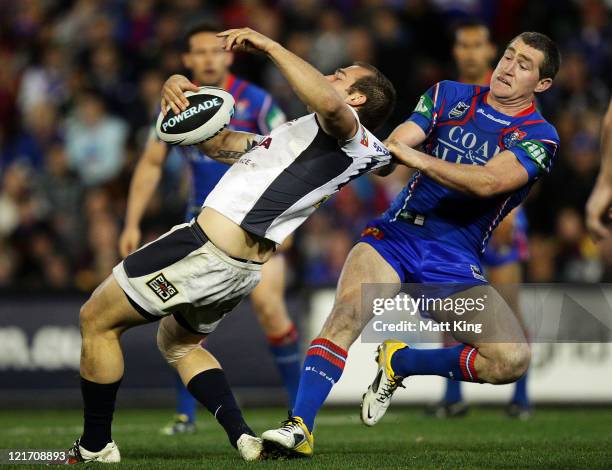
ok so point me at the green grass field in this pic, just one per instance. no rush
(554, 438)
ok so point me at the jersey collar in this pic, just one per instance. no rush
(525, 112)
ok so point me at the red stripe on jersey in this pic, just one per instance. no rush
(528, 111)
(441, 113)
(469, 114)
(229, 82)
(525, 112)
(238, 93)
(241, 122)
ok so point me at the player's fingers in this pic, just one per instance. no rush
(181, 100)
(172, 100)
(225, 33)
(232, 39)
(164, 106)
(244, 37)
(229, 40)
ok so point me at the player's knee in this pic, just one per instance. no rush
(171, 349)
(89, 317)
(511, 364)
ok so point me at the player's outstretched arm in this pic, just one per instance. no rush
(599, 205)
(228, 146)
(142, 187)
(502, 174)
(308, 83)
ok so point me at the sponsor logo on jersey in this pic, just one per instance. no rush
(162, 287)
(425, 106)
(459, 110)
(492, 118)
(174, 120)
(373, 232)
(265, 143)
(364, 137)
(463, 146)
(513, 137)
(537, 152)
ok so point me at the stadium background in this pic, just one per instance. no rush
(76, 69)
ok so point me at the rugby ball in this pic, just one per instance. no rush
(209, 112)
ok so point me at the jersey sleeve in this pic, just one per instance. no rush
(270, 116)
(366, 144)
(537, 150)
(425, 114)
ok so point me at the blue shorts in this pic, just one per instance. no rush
(422, 260)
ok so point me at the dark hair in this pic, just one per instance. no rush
(471, 22)
(552, 57)
(380, 97)
(201, 27)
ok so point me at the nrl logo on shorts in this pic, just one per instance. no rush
(477, 272)
(162, 287)
(459, 110)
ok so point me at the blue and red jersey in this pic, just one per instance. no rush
(255, 112)
(462, 128)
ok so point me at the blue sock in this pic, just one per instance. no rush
(286, 352)
(185, 403)
(322, 369)
(453, 391)
(520, 392)
(456, 362)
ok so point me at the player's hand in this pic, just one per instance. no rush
(599, 210)
(402, 153)
(246, 39)
(172, 95)
(129, 240)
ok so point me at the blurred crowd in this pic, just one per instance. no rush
(80, 83)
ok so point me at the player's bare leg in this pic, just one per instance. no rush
(268, 300)
(498, 355)
(507, 279)
(204, 378)
(348, 317)
(103, 318)
(327, 354)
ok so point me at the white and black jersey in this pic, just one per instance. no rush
(274, 187)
